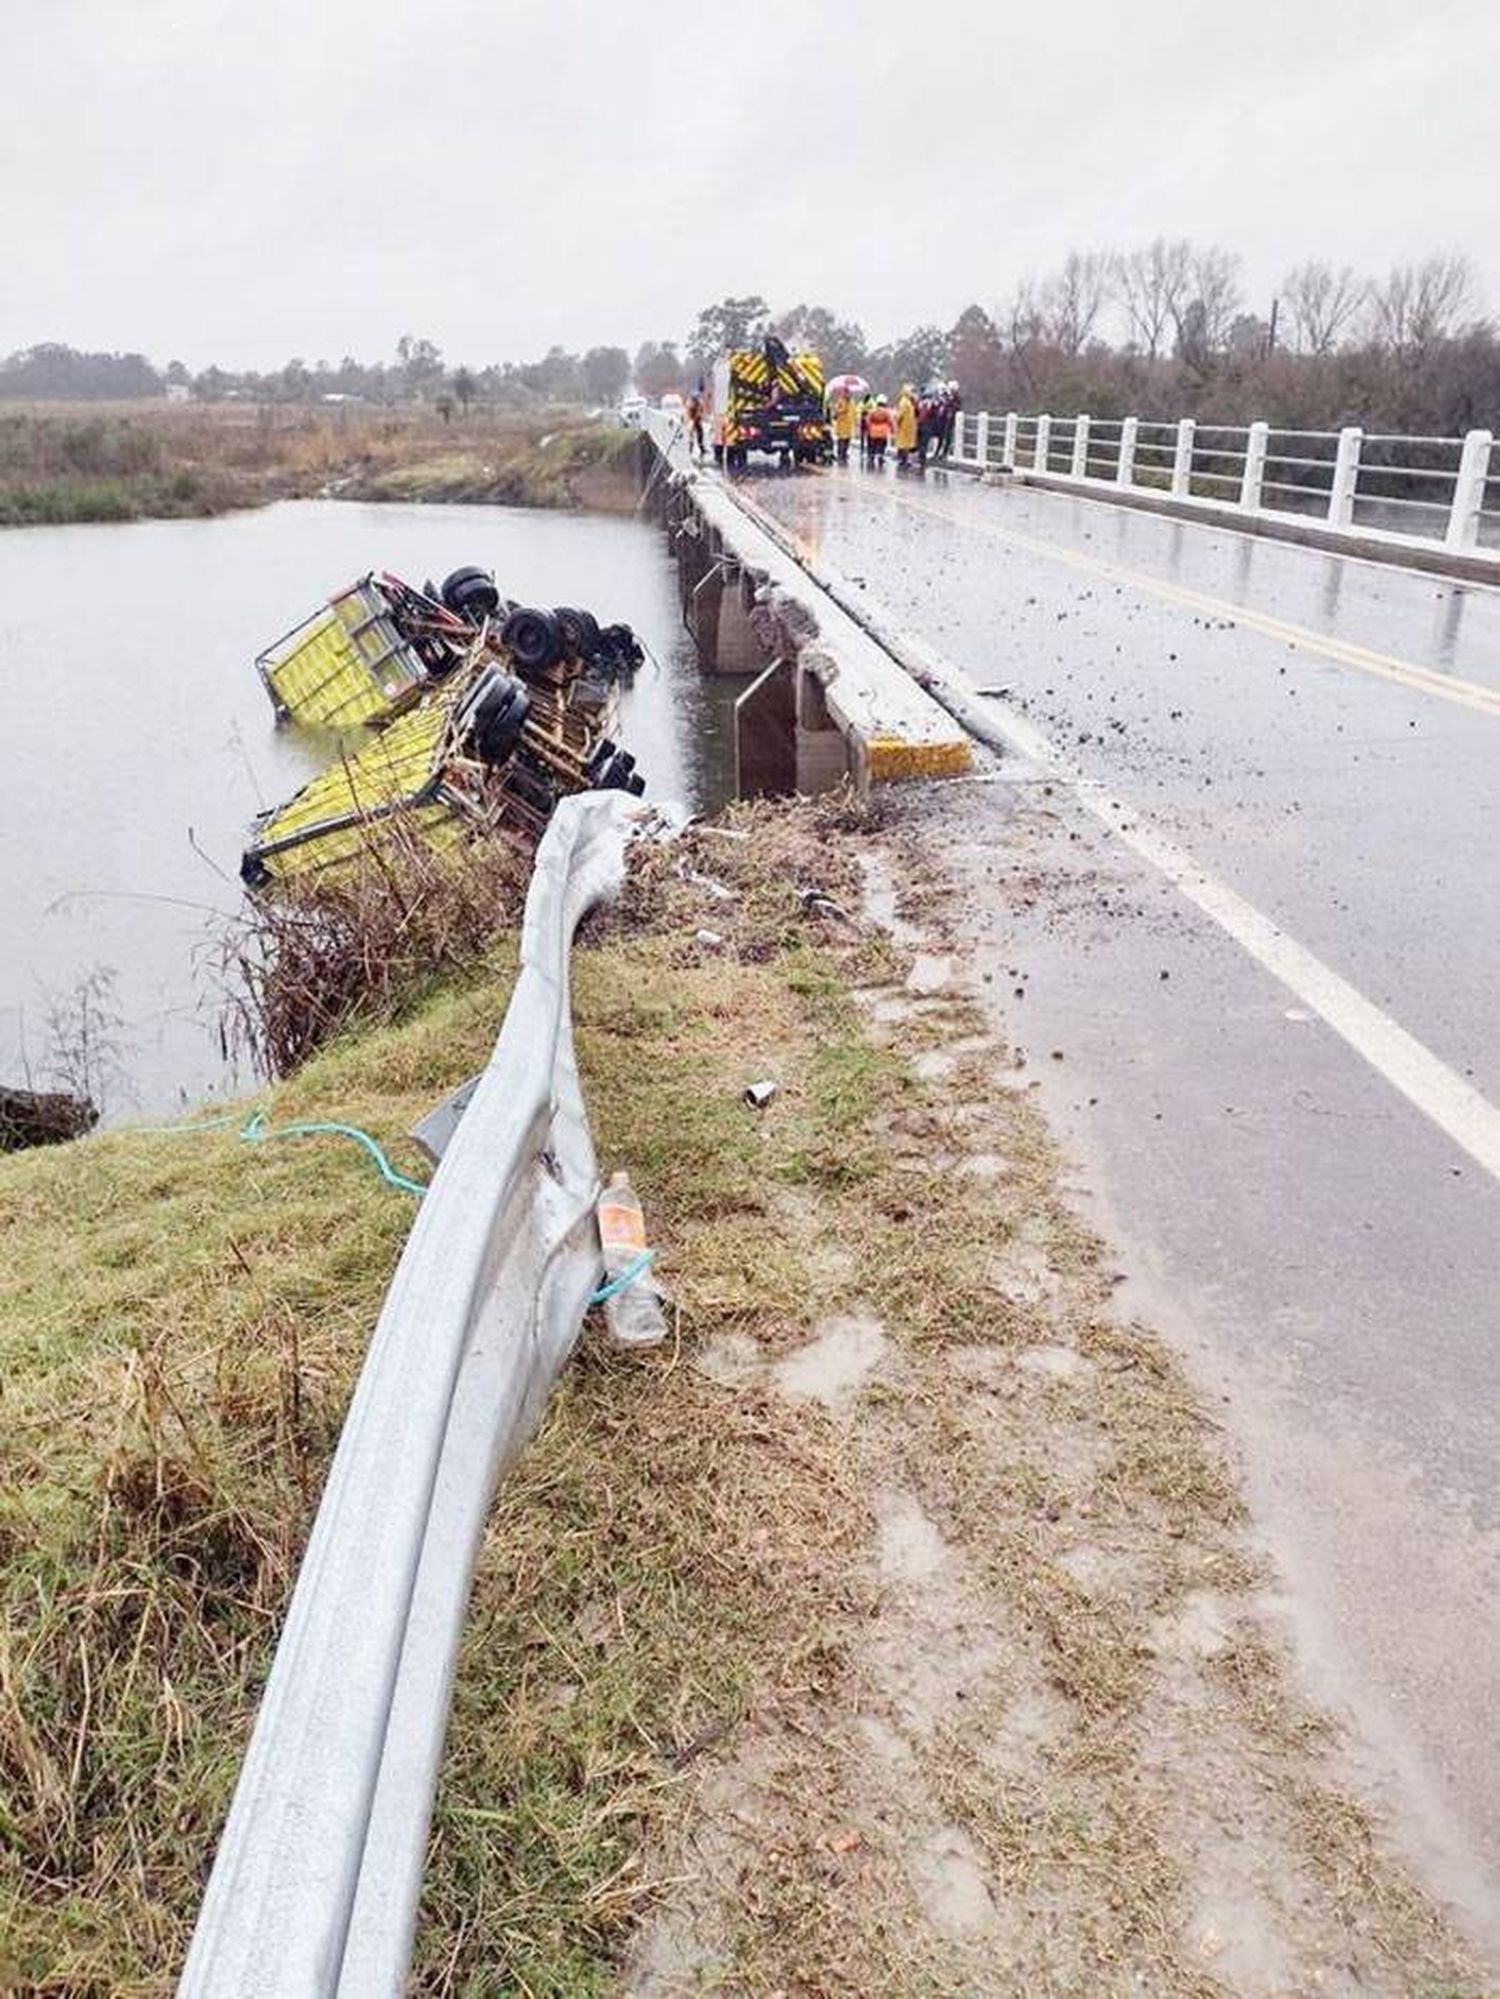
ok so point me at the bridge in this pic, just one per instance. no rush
(1233, 883)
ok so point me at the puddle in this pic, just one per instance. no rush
(908, 1546)
(947, 1872)
(1057, 1363)
(929, 975)
(730, 1360)
(880, 899)
(842, 1355)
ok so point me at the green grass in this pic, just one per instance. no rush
(676, 1579)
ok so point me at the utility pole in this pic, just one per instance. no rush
(1271, 327)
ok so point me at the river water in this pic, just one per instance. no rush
(136, 742)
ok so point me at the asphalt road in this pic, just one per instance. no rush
(1245, 881)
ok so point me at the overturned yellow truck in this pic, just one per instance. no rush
(484, 713)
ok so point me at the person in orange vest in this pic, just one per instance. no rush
(880, 426)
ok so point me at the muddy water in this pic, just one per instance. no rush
(136, 743)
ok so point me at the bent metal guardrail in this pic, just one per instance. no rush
(1438, 491)
(314, 1890)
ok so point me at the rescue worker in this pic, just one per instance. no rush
(906, 426)
(695, 424)
(843, 424)
(929, 423)
(879, 424)
(953, 402)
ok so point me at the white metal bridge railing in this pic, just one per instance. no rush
(1438, 490)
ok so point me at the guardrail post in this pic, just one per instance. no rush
(1345, 477)
(958, 436)
(1468, 490)
(1080, 447)
(1257, 440)
(1008, 444)
(1125, 468)
(982, 440)
(1182, 459)
(1043, 444)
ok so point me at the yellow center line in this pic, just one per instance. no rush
(1424, 680)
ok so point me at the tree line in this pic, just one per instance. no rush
(1164, 329)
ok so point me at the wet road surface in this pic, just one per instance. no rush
(1282, 1083)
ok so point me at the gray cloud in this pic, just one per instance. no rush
(243, 183)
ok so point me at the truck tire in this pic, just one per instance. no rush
(532, 639)
(580, 630)
(471, 593)
(495, 714)
(619, 775)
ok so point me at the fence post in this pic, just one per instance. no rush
(1080, 447)
(982, 440)
(1008, 444)
(1345, 477)
(1468, 490)
(1043, 444)
(1125, 469)
(1257, 439)
(1182, 459)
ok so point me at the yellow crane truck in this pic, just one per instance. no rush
(772, 401)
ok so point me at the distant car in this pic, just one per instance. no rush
(633, 411)
(672, 404)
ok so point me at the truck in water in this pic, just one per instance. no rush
(771, 400)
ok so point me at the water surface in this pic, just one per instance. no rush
(136, 742)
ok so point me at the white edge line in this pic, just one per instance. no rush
(1454, 1106)
(1440, 1093)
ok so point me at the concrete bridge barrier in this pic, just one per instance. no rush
(826, 701)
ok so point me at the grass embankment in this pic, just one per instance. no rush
(160, 460)
(893, 1630)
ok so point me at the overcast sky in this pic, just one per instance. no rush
(245, 180)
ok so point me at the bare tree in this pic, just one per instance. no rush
(1152, 283)
(1322, 303)
(1420, 304)
(1071, 300)
(1213, 282)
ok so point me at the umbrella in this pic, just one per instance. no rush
(848, 385)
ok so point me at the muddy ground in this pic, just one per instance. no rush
(1053, 1739)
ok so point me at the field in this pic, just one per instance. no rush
(136, 461)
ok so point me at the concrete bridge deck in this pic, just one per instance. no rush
(1243, 874)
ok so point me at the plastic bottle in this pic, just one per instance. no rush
(634, 1315)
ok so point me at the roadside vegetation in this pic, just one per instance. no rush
(150, 460)
(895, 1628)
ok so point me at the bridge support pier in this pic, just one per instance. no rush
(785, 739)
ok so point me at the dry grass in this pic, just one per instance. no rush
(356, 945)
(143, 460)
(704, 1730)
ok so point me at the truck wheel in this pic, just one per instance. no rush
(494, 715)
(532, 639)
(471, 593)
(580, 631)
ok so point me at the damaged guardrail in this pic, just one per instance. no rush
(315, 1886)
